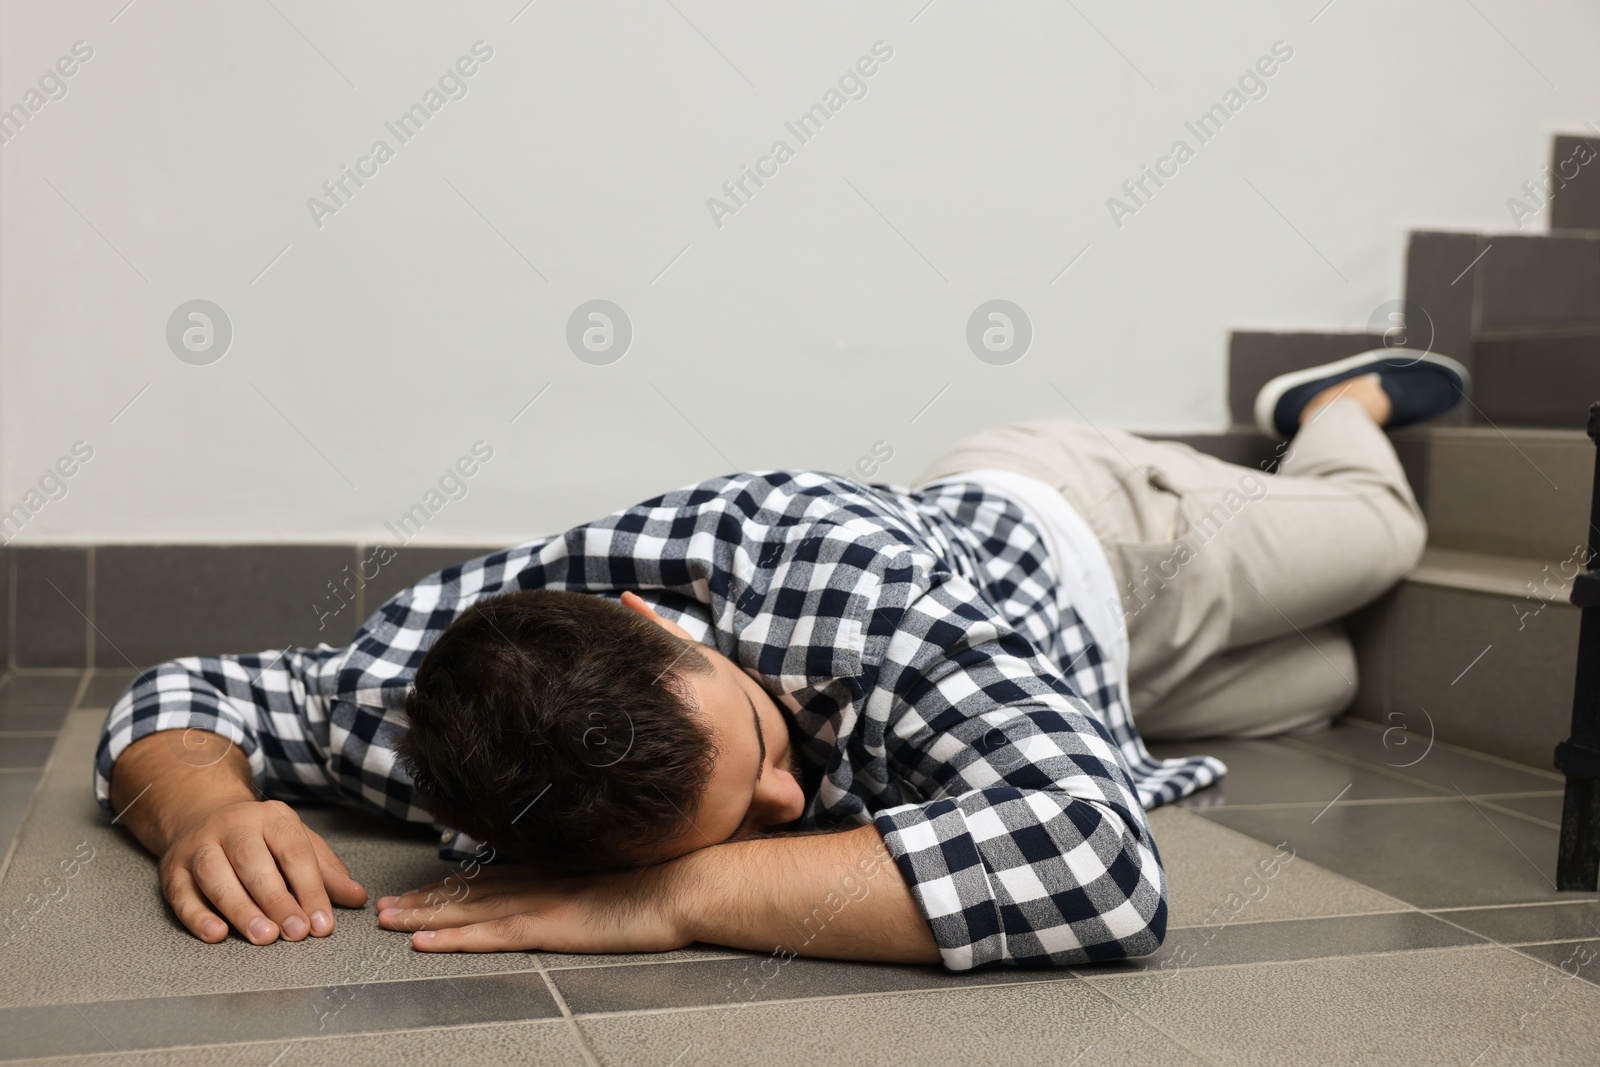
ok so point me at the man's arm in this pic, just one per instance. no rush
(184, 757)
(836, 895)
(833, 895)
(223, 849)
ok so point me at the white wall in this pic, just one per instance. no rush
(821, 318)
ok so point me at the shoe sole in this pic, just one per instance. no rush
(1272, 392)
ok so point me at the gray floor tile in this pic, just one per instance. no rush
(1205, 863)
(26, 691)
(337, 822)
(1576, 959)
(32, 721)
(558, 960)
(543, 1042)
(1546, 808)
(720, 982)
(1226, 943)
(16, 789)
(1407, 754)
(1450, 1007)
(24, 751)
(1054, 1022)
(112, 935)
(1433, 855)
(1269, 772)
(353, 1007)
(1536, 922)
(105, 686)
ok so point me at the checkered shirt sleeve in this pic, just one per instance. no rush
(1022, 836)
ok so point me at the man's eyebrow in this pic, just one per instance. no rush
(761, 743)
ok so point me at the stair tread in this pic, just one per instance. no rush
(1537, 434)
(1558, 233)
(1484, 572)
(1532, 434)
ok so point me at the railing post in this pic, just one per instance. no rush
(1578, 757)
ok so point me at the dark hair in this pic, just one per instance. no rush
(559, 728)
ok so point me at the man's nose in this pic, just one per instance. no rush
(780, 798)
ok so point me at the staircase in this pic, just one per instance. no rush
(1478, 645)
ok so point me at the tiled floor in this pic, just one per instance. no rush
(1415, 924)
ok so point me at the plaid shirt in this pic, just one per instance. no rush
(938, 686)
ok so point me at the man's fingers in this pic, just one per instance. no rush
(257, 871)
(326, 850)
(345, 890)
(214, 874)
(291, 846)
(513, 933)
(452, 890)
(459, 886)
(190, 907)
(444, 914)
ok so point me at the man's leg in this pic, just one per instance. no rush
(1339, 528)
(1211, 556)
(1291, 684)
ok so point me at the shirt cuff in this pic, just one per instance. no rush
(934, 848)
(125, 726)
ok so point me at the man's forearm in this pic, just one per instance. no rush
(162, 780)
(836, 895)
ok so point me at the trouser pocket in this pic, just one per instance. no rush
(1174, 600)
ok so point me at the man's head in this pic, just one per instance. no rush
(583, 735)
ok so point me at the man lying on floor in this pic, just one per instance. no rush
(791, 709)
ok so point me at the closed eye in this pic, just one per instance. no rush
(761, 744)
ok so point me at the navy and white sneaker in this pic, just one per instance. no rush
(1421, 386)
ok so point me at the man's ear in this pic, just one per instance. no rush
(635, 602)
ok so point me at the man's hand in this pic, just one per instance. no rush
(189, 798)
(261, 867)
(835, 895)
(507, 908)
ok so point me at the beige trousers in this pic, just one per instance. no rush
(1231, 580)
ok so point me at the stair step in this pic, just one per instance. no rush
(1576, 205)
(1451, 646)
(1480, 634)
(1534, 580)
(1536, 380)
(1537, 281)
(1440, 284)
(1510, 492)
(1522, 312)
(1254, 357)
